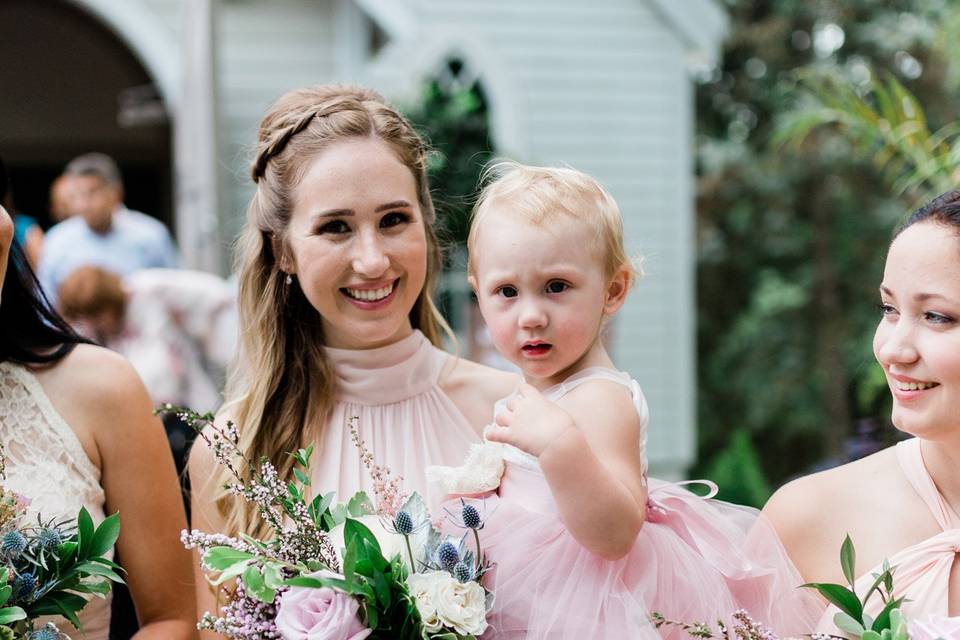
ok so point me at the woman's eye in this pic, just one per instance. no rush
(393, 219)
(507, 291)
(937, 318)
(557, 286)
(334, 226)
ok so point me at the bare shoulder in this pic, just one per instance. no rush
(475, 388)
(813, 514)
(605, 404)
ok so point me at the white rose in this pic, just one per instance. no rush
(480, 472)
(390, 543)
(458, 605)
(419, 586)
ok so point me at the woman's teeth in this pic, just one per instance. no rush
(370, 295)
(915, 386)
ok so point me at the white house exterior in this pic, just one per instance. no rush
(603, 86)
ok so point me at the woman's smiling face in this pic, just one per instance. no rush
(918, 339)
(357, 243)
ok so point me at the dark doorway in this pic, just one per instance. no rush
(71, 85)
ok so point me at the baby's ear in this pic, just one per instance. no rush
(472, 281)
(617, 288)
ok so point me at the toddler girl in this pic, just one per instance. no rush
(582, 544)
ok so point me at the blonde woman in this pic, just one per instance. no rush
(337, 263)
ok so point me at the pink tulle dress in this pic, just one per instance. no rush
(923, 570)
(695, 559)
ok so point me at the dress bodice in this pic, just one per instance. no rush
(403, 416)
(522, 458)
(47, 463)
(922, 570)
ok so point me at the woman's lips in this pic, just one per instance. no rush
(368, 298)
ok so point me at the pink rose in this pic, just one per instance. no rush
(319, 614)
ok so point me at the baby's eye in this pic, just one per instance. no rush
(557, 286)
(507, 291)
(334, 226)
(886, 309)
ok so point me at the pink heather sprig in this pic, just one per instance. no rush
(746, 628)
(244, 618)
(3, 462)
(743, 627)
(298, 542)
(197, 539)
(388, 490)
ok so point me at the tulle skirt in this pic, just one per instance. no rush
(695, 560)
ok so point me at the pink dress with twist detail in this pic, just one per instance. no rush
(923, 570)
(694, 560)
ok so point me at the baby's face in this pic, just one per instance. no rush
(541, 291)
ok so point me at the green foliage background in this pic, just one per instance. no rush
(791, 239)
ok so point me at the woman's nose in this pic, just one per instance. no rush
(370, 258)
(897, 346)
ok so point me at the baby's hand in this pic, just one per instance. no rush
(530, 422)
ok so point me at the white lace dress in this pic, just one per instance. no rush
(46, 462)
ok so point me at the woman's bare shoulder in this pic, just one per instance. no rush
(461, 374)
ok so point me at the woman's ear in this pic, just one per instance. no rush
(284, 263)
(617, 288)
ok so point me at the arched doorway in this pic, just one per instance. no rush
(70, 85)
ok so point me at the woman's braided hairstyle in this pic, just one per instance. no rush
(281, 388)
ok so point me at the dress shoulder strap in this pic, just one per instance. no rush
(910, 457)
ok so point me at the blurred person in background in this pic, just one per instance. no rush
(103, 231)
(78, 429)
(177, 327)
(26, 231)
(61, 193)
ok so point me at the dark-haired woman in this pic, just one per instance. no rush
(78, 429)
(900, 504)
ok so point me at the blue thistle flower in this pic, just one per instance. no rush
(403, 523)
(49, 537)
(12, 545)
(448, 555)
(463, 572)
(24, 587)
(48, 632)
(470, 515)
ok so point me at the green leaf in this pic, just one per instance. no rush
(871, 635)
(354, 531)
(884, 621)
(219, 558)
(254, 583)
(841, 597)
(846, 623)
(360, 505)
(848, 560)
(5, 592)
(85, 533)
(273, 575)
(12, 614)
(231, 572)
(301, 476)
(105, 536)
(96, 569)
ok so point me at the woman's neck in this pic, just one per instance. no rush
(942, 461)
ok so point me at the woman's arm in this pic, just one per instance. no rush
(203, 516)
(139, 480)
(588, 445)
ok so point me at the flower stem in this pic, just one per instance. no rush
(413, 567)
(476, 537)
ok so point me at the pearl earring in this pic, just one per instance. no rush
(289, 279)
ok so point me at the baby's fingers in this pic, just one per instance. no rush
(504, 418)
(495, 433)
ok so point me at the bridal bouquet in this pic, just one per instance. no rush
(343, 571)
(47, 566)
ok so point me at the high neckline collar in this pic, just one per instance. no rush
(388, 374)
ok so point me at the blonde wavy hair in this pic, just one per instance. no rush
(542, 194)
(281, 388)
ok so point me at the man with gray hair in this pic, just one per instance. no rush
(103, 232)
